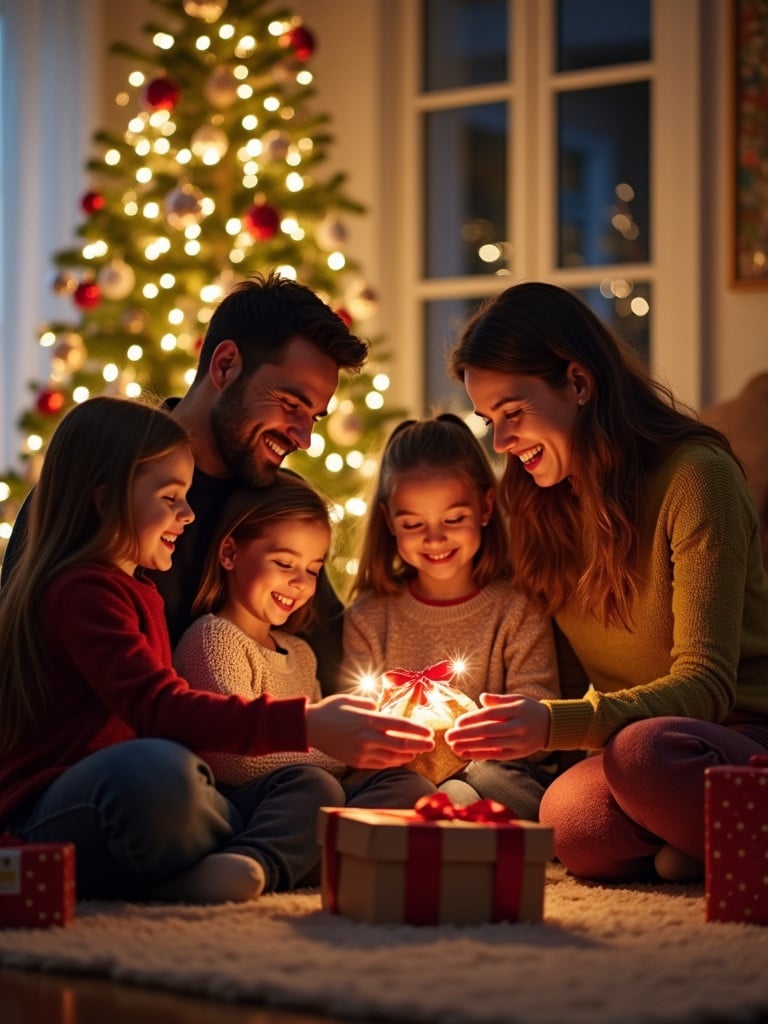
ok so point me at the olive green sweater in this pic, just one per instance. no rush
(698, 646)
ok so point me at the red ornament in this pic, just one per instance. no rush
(301, 40)
(92, 202)
(87, 295)
(161, 94)
(49, 402)
(262, 221)
(344, 314)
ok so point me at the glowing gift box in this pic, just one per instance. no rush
(435, 864)
(736, 842)
(37, 883)
(428, 698)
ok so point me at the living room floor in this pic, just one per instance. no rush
(28, 997)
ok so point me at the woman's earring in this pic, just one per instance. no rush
(582, 401)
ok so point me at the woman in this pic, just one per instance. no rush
(632, 523)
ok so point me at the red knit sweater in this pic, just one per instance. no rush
(111, 679)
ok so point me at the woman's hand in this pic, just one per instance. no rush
(351, 730)
(507, 727)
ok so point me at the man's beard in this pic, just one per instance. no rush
(236, 447)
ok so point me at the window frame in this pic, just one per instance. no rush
(674, 268)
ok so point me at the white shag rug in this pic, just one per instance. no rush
(603, 955)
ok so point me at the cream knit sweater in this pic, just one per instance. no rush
(215, 654)
(504, 639)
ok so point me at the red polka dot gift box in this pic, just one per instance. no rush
(37, 883)
(736, 833)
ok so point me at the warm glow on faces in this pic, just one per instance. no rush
(272, 576)
(160, 510)
(437, 519)
(530, 420)
(258, 420)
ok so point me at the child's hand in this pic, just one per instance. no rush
(352, 730)
(507, 726)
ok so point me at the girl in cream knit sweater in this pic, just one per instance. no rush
(256, 592)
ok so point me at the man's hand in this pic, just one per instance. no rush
(507, 727)
(351, 730)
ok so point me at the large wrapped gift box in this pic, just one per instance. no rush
(398, 866)
(736, 850)
(427, 697)
(37, 883)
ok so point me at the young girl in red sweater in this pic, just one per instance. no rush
(98, 733)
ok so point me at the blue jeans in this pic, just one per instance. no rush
(519, 785)
(142, 811)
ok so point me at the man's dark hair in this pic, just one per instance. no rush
(263, 313)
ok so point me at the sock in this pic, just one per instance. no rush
(217, 878)
(675, 866)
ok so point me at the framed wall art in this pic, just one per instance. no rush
(750, 143)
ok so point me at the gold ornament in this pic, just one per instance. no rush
(209, 144)
(206, 10)
(68, 354)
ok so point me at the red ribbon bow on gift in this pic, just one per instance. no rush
(419, 683)
(438, 807)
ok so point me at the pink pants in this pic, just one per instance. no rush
(611, 812)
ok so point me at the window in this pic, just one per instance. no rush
(553, 140)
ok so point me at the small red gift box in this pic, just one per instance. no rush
(428, 698)
(736, 835)
(469, 866)
(37, 883)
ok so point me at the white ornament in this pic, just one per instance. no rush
(116, 280)
(221, 87)
(331, 233)
(183, 206)
(274, 144)
(362, 301)
(345, 428)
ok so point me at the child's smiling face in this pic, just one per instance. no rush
(437, 517)
(159, 510)
(271, 576)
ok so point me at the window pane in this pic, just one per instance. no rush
(466, 183)
(625, 307)
(603, 174)
(596, 33)
(443, 321)
(465, 43)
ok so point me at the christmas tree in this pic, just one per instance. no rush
(217, 175)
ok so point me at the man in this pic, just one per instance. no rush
(269, 364)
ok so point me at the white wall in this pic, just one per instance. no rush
(48, 108)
